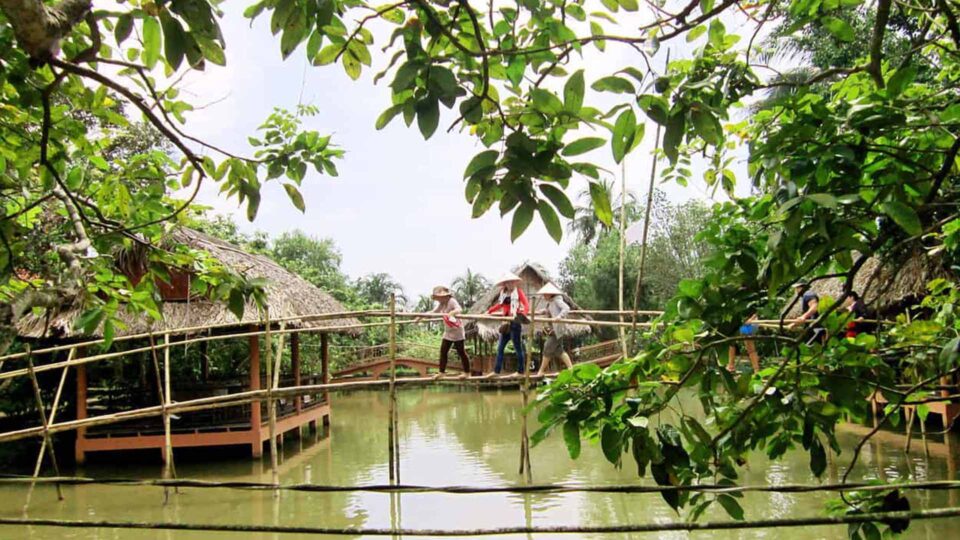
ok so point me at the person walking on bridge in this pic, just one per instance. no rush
(453, 335)
(511, 302)
(556, 308)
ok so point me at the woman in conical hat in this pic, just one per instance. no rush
(453, 335)
(555, 308)
(511, 302)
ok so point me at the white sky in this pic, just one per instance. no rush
(398, 205)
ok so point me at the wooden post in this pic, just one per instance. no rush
(43, 420)
(295, 366)
(167, 401)
(391, 424)
(325, 363)
(524, 437)
(204, 361)
(621, 331)
(255, 422)
(53, 417)
(274, 385)
(79, 453)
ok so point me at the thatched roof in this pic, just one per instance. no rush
(534, 277)
(288, 295)
(887, 286)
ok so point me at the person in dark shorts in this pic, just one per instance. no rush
(809, 311)
(453, 334)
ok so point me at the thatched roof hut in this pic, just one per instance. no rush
(534, 277)
(288, 295)
(887, 287)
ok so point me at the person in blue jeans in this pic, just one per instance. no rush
(510, 302)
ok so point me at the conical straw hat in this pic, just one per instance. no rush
(549, 289)
(441, 291)
(507, 278)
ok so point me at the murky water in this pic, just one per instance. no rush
(463, 437)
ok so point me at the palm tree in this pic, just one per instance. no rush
(470, 287)
(377, 288)
(424, 303)
(587, 226)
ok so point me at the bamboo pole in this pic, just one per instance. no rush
(908, 515)
(272, 405)
(525, 390)
(193, 329)
(391, 424)
(51, 452)
(623, 248)
(43, 444)
(168, 470)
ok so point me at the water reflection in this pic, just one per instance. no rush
(457, 436)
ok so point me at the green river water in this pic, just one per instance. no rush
(465, 437)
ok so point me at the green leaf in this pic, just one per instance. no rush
(706, 125)
(623, 133)
(522, 217)
(697, 31)
(612, 83)
(571, 436)
(428, 116)
(610, 443)
(151, 42)
(716, 33)
(328, 54)
(840, 28)
(656, 108)
(174, 39)
(394, 15)
(573, 92)
(731, 505)
(903, 215)
(601, 203)
(211, 50)
(481, 162)
(949, 354)
(545, 102)
(818, 458)
(388, 115)
(629, 5)
(825, 200)
(582, 146)
(900, 80)
(550, 220)
(559, 200)
(673, 136)
(123, 29)
(295, 197)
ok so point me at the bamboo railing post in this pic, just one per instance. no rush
(43, 444)
(43, 420)
(392, 424)
(525, 390)
(272, 406)
(168, 467)
(621, 331)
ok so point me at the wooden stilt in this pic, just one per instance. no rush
(391, 425)
(43, 443)
(43, 420)
(525, 392)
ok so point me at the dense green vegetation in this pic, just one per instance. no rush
(850, 156)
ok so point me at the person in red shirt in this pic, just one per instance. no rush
(511, 302)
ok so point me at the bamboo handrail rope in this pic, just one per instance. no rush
(391, 450)
(938, 513)
(43, 444)
(933, 485)
(43, 420)
(193, 329)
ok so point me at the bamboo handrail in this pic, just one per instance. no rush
(910, 515)
(193, 329)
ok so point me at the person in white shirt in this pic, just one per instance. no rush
(453, 334)
(556, 308)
